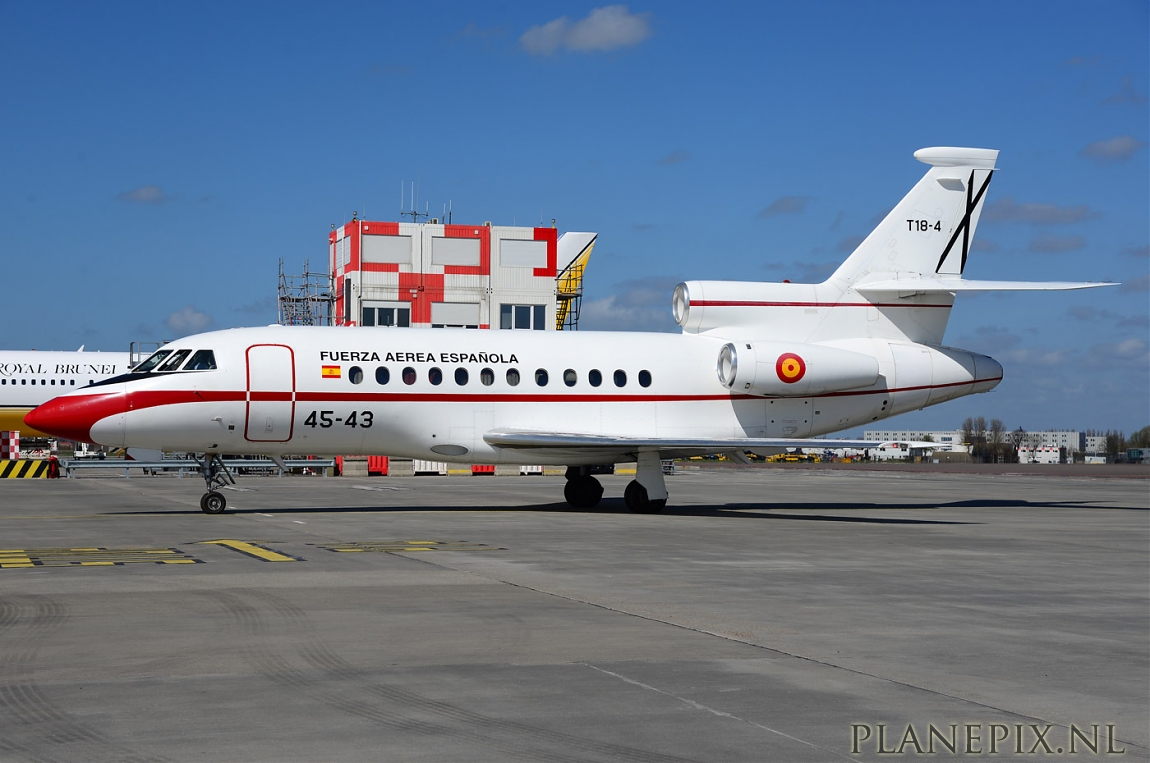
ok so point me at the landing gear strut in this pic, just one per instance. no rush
(216, 475)
(582, 490)
(647, 493)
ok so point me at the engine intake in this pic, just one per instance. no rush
(793, 369)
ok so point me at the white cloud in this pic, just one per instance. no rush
(1116, 149)
(606, 28)
(675, 157)
(1127, 95)
(1134, 285)
(188, 321)
(1007, 210)
(784, 205)
(145, 194)
(642, 305)
(1044, 243)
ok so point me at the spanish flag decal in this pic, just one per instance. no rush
(330, 372)
(790, 367)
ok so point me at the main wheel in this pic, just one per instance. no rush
(213, 503)
(583, 492)
(635, 496)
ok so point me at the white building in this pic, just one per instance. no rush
(1044, 454)
(470, 276)
(947, 440)
(1059, 438)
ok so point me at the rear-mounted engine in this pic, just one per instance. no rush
(793, 369)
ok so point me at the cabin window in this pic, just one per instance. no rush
(382, 375)
(620, 378)
(461, 377)
(174, 362)
(487, 376)
(152, 361)
(73, 382)
(203, 360)
(570, 377)
(595, 377)
(513, 377)
(355, 374)
(409, 375)
(435, 376)
(53, 382)
(541, 377)
(644, 378)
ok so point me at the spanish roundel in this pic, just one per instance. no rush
(790, 367)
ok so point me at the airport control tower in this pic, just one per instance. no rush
(469, 276)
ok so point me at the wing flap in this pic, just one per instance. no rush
(528, 440)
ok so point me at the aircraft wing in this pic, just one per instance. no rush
(939, 285)
(560, 441)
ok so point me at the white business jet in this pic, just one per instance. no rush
(757, 365)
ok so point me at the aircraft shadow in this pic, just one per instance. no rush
(843, 511)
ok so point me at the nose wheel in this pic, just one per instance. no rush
(213, 502)
(216, 475)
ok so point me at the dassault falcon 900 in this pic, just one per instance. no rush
(757, 365)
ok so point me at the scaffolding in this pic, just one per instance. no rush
(569, 291)
(304, 300)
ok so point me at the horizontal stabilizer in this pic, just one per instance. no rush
(939, 285)
(570, 441)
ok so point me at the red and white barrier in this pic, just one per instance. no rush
(9, 446)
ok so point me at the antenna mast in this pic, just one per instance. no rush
(414, 213)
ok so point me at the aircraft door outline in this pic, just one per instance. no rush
(271, 393)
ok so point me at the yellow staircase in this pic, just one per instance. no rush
(569, 291)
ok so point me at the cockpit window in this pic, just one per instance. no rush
(203, 360)
(172, 363)
(152, 361)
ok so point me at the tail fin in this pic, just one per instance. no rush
(929, 232)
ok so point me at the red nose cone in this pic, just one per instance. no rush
(71, 417)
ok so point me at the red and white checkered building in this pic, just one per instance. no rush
(9, 446)
(434, 275)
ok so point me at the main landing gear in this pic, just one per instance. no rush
(216, 475)
(646, 494)
(582, 490)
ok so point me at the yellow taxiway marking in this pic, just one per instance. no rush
(253, 550)
(393, 546)
(90, 556)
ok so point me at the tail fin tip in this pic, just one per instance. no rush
(951, 156)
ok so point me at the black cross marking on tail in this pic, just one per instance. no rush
(964, 226)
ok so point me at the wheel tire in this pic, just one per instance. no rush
(213, 503)
(635, 496)
(583, 492)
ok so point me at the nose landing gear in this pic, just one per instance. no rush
(215, 475)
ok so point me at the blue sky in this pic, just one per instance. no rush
(157, 159)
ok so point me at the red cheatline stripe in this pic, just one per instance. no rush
(151, 399)
(742, 303)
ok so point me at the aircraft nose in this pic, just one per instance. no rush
(98, 419)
